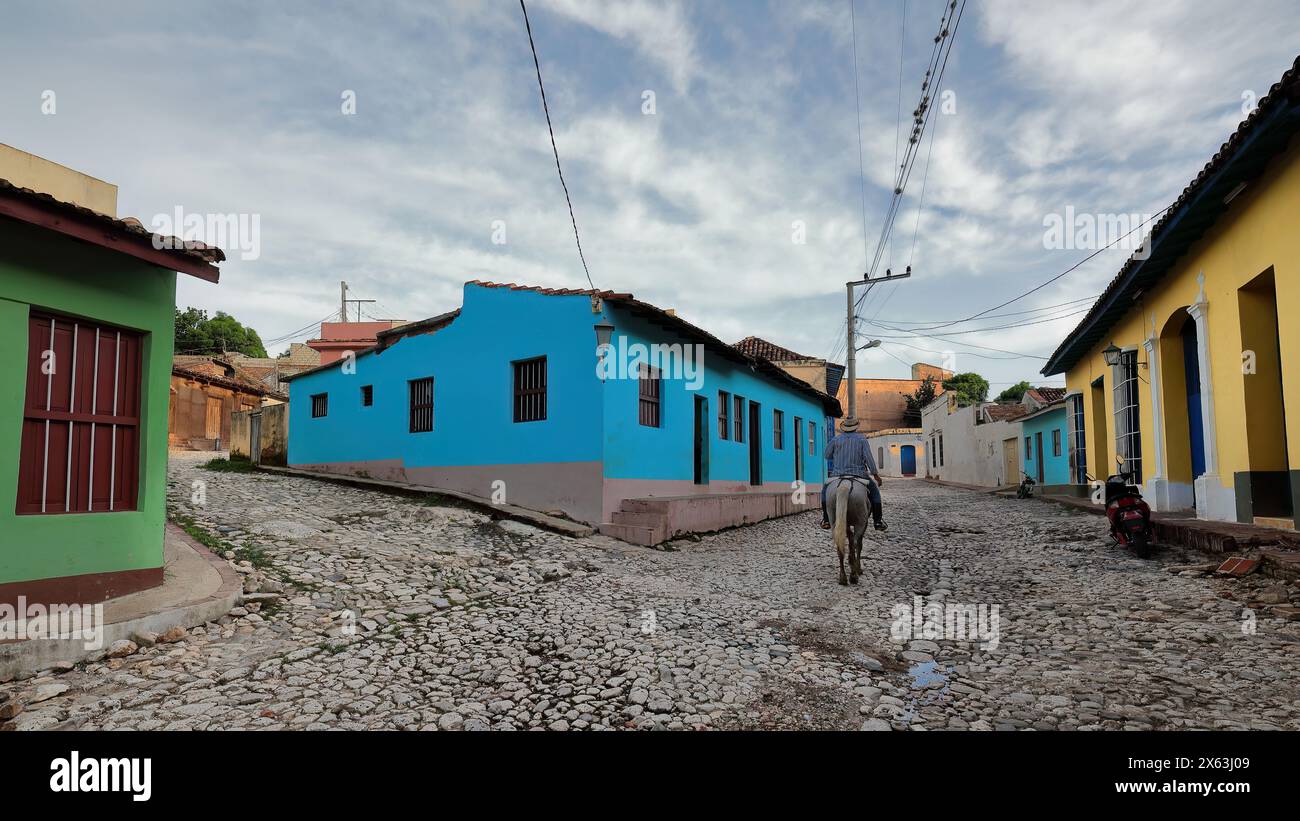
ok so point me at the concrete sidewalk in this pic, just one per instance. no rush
(197, 587)
(1278, 549)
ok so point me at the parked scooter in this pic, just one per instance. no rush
(1129, 515)
(1026, 489)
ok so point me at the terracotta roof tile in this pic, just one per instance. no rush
(124, 226)
(755, 346)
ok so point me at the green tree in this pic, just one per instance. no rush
(196, 332)
(970, 388)
(1014, 393)
(922, 396)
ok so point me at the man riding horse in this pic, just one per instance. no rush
(850, 456)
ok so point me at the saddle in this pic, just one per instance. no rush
(865, 480)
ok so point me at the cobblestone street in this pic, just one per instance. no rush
(458, 622)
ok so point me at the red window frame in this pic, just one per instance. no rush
(80, 448)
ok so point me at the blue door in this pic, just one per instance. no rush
(1192, 376)
(907, 456)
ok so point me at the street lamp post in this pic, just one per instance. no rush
(852, 349)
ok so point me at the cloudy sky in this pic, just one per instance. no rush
(237, 107)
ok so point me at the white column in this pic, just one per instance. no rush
(1157, 484)
(1213, 501)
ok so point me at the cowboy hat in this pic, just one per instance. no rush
(849, 424)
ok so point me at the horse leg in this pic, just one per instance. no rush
(842, 542)
(855, 568)
(855, 556)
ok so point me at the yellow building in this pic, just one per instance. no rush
(1186, 364)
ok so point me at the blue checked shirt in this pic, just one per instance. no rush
(850, 455)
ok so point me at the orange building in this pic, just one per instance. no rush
(337, 338)
(882, 403)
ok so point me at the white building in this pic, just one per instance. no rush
(899, 452)
(975, 445)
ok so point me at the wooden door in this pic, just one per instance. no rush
(213, 419)
(1010, 473)
(701, 440)
(798, 448)
(255, 438)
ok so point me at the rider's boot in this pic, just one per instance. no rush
(877, 513)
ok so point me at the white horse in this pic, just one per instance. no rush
(850, 515)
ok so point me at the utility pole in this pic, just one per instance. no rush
(852, 346)
(344, 301)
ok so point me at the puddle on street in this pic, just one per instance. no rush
(925, 674)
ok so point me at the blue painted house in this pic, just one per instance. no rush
(1045, 446)
(591, 403)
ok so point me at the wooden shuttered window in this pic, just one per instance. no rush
(738, 417)
(778, 430)
(530, 390)
(421, 392)
(649, 396)
(80, 449)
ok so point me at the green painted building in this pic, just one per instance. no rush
(86, 314)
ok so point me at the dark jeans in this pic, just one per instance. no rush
(873, 490)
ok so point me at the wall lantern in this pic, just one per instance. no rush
(604, 334)
(1114, 356)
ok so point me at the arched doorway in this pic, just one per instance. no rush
(1180, 377)
(907, 457)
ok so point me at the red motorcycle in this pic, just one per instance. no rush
(1129, 515)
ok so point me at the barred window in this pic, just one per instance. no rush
(941, 450)
(80, 445)
(739, 418)
(649, 396)
(367, 395)
(1128, 434)
(778, 429)
(1029, 448)
(1056, 441)
(812, 438)
(530, 390)
(320, 405)
(1076, 440)
(724, 414)
(421, 407)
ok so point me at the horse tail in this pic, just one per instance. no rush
(842, 491)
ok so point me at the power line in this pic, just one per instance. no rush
(970, 345)
(943, 43)
(1008, 313)
(537, 65)
(963, 353)
(898, 109)
(857, 102)
(1051, 280)
(992, 327)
